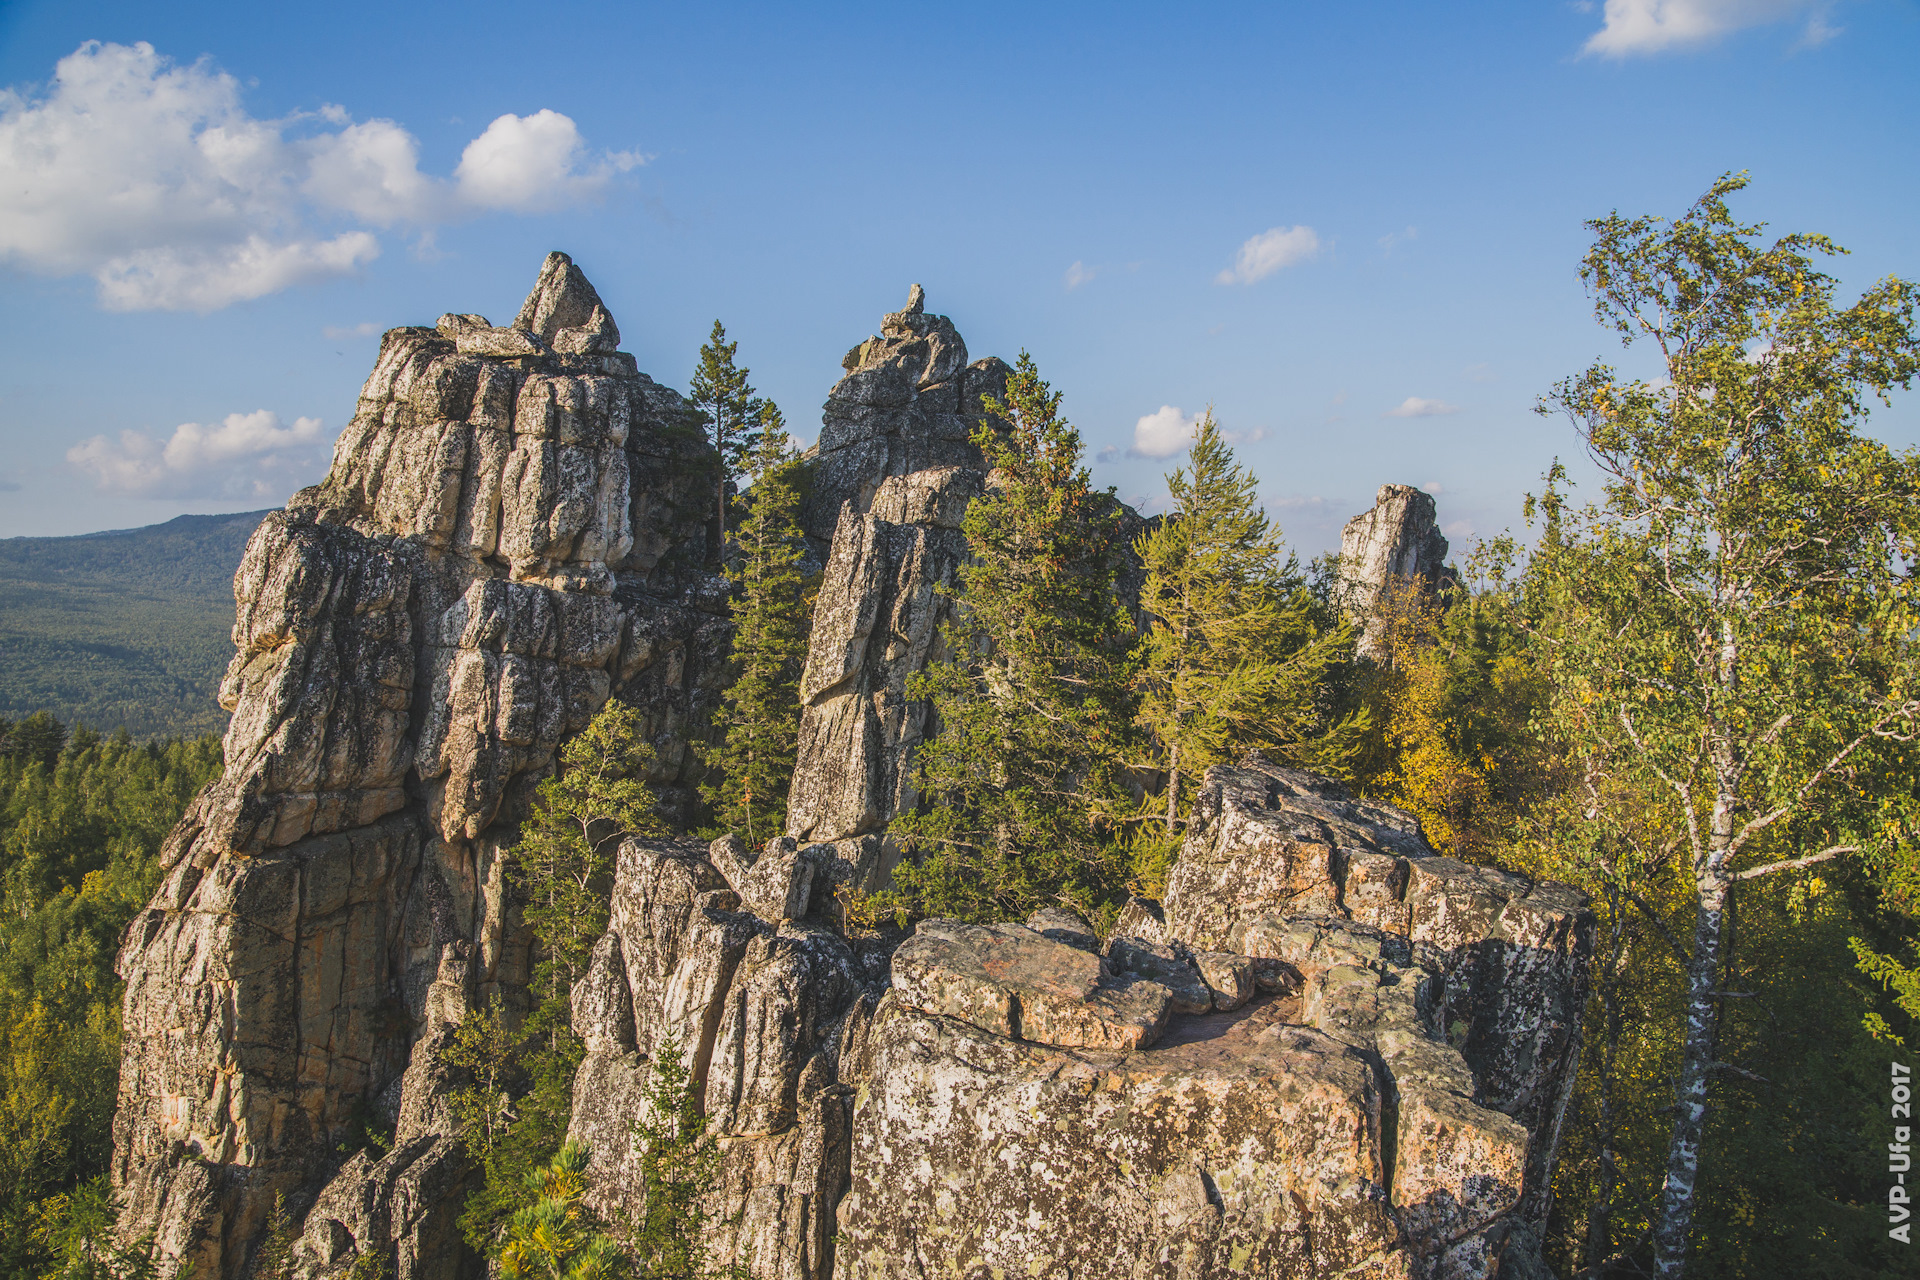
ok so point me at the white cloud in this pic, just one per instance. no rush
(244, 455)
(206, 278)
(1079, 273)
(153, 178)
(1420, 407)
(535, 164)
(1163, 433)
(1269, 251)
(343, 332)
(1479, 373)
(1652, 26)
(1393, 239)
(1434, 487)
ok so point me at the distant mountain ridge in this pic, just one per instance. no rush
(128, 628)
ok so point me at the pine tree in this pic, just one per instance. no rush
(556, 1237)
(1235, 656)
(733, 417)
(760, 709)
(1024, 775)
(679, 1165)
(562, 858)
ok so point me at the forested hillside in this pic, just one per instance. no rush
(122, 630)
(81, 822)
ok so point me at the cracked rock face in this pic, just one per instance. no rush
(1395, 541)
(1361, 1071)
(909, 402)
(894, 474)
(767, 1010)
(511, 531)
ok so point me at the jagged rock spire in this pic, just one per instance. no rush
(564, 300)
(1395, 541)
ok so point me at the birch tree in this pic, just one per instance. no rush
(1728, 625)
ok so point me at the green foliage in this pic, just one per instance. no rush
(1024, 781)
(760, 708)
(122, 630)
(1449, 710)
(736, 421)
(75, 1230)
(562, 861)
(514, 1108)
(274, 1259)
(555, 1236)
(82, 819)
(679, 1164)
(487, 1049)
(1725, 633)
(1237, 653)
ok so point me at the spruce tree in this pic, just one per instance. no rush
(760, 710)
(1022, 780)
(732, 416)
(1235, 656)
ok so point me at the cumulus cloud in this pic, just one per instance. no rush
(1269, 251)
(1421, 407)
(535, 164)
(1164, 432)
(153, 178)
(245, 455)
(342, 332)
(1652, 26)
(1079, 273)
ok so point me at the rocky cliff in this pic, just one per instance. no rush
(1328, 1051)
(512, 530)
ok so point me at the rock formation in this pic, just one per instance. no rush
(1394, 545)
(1328, 1051)
(1373, 1088)
(894, 474)
(909, 403)
(512, 528)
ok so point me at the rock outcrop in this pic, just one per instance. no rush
(766, 1005)
(1328, 1051)
(895, 471)
(1394, 545)
(909, 402)
(1360, 1069)
(510, 531)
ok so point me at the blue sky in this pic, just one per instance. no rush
(1311, 216)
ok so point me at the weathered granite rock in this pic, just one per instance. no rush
(1316, 1119)
(1393, 545)
(1251, 1148)
(511, 531)
(763, 1011)
(1007, 979)
(909, 402)
(1065, 926)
